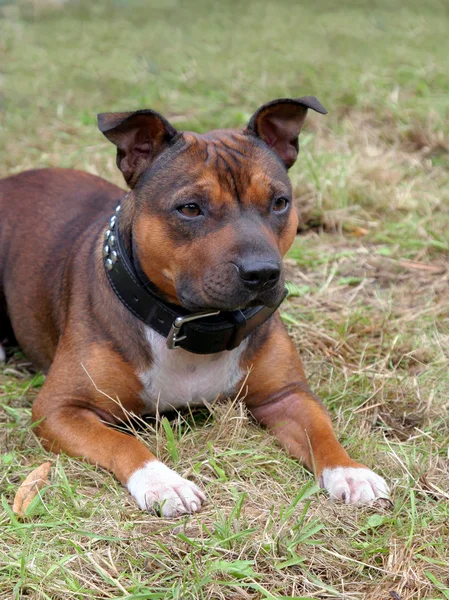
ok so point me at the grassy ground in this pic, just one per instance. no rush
(369, 310)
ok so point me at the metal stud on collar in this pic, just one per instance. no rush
(110, 255)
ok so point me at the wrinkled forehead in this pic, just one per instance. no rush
(220, 164)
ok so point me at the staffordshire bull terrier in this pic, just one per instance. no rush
(165, 296)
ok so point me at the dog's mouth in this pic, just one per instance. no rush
(227, 304)
(226, 289)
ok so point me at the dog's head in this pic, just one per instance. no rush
(211, 215)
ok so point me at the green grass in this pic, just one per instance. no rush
(368, 310)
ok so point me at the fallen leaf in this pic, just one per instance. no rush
(30, 487)
(358, 231)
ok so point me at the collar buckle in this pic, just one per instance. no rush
(174, 334)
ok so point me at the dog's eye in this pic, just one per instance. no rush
(190, 210)
(280, 205)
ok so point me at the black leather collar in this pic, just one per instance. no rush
(206, 332)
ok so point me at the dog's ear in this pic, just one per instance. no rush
(139, 136)
(278, 124)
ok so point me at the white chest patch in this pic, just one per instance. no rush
(178, 378)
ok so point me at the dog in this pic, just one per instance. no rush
(165, 296)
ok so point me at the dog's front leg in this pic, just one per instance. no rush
(280, 399)
(76, 426)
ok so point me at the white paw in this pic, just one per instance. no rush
(2, 354)
(354, 485)
(155, 487)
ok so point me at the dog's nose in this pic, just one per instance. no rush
(259, 274)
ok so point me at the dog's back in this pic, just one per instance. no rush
(44, 214)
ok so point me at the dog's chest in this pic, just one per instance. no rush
(179, 378)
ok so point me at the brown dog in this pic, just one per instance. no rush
(169, 302)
